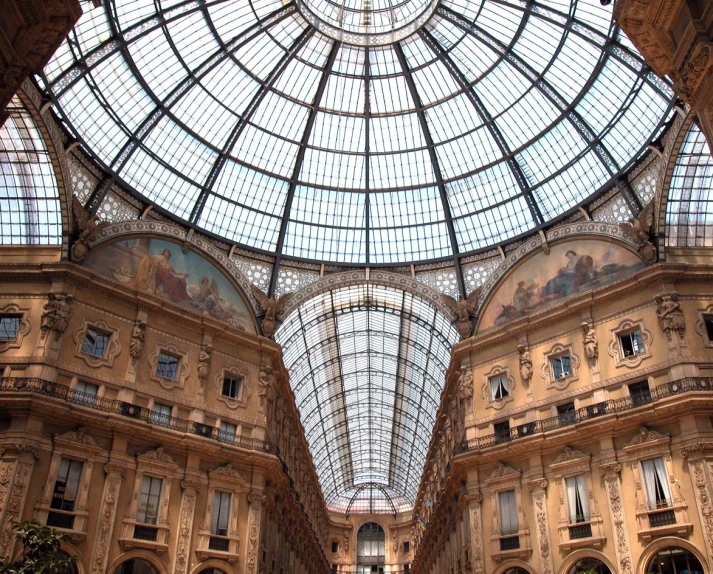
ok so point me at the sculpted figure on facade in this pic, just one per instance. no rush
(463, 309)
(670, 315)
(138, 340)
(525, 365)
(266, 388)
(465, 390)
(272, 308)
(55, 314)
(88, 226)
(591, 345)
(204, 364)
(637, 228)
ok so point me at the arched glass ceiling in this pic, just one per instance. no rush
(367, 365)
(240, 117)
(689, 211)
(29, 198)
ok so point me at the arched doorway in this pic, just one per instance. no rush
(371, 540)
(135, 566)
(589, 566)
(674, 560)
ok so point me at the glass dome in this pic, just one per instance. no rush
(359, 132)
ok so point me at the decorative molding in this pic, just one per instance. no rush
(112, 349)
(570, 454)
(185, 527)
(24, 313)
(251, 561)
(699, 326)
(245, 391)
(227, 472)
(646, 436)
(16, 482)
(501, 471)
(181, 374)
(486, 390)
(539, 502)
(78, 436)
(107, 513)
(156, 456)
(614, 349)
(610, 471)
(560, 383)
(377, 277)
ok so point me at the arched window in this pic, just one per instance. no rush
(689, 212)
(135, 566)
(674, 560)
(370, 549)
(29, 200)
(589, 566)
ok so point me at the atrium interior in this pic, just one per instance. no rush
(358, 286)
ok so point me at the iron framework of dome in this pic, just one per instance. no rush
(489, 121)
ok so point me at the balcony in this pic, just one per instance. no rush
(680, 386)
(60, 520)
(128, 410)
(580, 531)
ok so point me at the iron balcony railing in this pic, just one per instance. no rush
(587, 413)
(129, 410)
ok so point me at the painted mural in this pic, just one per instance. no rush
(570, 268)
(162, 269)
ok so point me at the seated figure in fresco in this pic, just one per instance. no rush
(578, 271)
(157, 275)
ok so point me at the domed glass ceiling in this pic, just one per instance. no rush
(343, 141)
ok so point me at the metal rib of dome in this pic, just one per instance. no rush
(489, 121)
(367, 365)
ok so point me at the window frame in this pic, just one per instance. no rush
(547, 370)
(182, 369)
(77, 446)
(646, 445)
(23, 328)
(486, 391)
(568, 464)
(154, 464)
(241, 401)
(113, 347)
(700, 326)
(615, 348)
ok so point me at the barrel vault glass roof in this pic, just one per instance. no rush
(367, 366)
(244, 119)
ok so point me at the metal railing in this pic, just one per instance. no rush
(587, 413)
(129, 410)
(662, 518)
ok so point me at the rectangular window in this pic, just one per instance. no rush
(167, 366)
(95, 342)
(161, 414)
(640, 393)
(220, 513)
(86, 393)
(335, 547)
(9, 327)
(655, 477)
(407, 547)
(502, 431)
(499, 387)
(577, 499)
(231, 387)
(66, 485)
(508, 513)
(227, 432)
(561, 367)
(566, 413)
(631, 343)
(707, 321)
(149, 497)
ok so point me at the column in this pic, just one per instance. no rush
(15, 473)
(539, 502)
(115, 472)
(701, 471)
(190, 487)
(253, 537)
(610, 472)
(476, 532)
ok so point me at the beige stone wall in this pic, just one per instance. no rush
(605, 443)
(118, 441)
